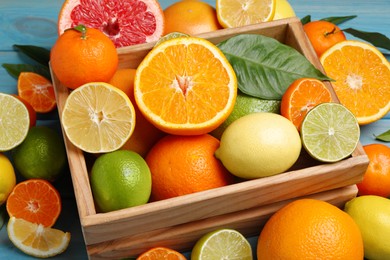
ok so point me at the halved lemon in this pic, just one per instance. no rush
(35, 239)
(236, 13)
(98, 117)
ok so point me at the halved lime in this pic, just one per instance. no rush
(14, 122)
(222, 244)
(330, 132)
(169, 36)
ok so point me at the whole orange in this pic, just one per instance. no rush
(81, 55)
(191, 17)
(376, 179)
(310, 229)
(323, 35)
(185, 164)
(145, 134)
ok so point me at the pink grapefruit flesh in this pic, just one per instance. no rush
(125, 22)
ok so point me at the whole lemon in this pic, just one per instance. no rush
(120, 179)
(283, 10)
(41, 155)
(372, 214)
(7, 178)
(259, 145)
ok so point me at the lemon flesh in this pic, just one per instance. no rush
(259, 145)
(372, 214)
(35, 239)
(98, 117)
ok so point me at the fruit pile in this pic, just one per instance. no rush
(190, 118)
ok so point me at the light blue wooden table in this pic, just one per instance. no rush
(34, 22)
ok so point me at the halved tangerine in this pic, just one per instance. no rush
(301, 96)
(36, 201)
(38, 91)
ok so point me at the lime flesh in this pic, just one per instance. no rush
(14, 122)
(330, 132)
(222, 244)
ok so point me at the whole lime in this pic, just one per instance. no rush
(246, 105)
(259, 145)
(41, 155)
(372, 214)
(120, 179)
(7, 178)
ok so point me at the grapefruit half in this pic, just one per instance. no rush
(126, 22)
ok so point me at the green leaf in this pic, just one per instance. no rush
(15, 69)
(265, 67)
(38, 54)
(338, 19)
(377, 39)
(306, 19)
(385, 137)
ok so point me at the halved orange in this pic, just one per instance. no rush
(157, 253)
(37, 90)
(362, 78)
(185, 86)
(36, 201)
(301, 96)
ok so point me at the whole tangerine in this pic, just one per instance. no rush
(185, 164)
(190, 17)
(323, 35)
(82, 55)
(376, 179)
(310, 229)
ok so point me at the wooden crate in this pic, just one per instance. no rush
(245, 206)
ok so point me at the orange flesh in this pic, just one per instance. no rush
(186, 100)
(356, 86)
